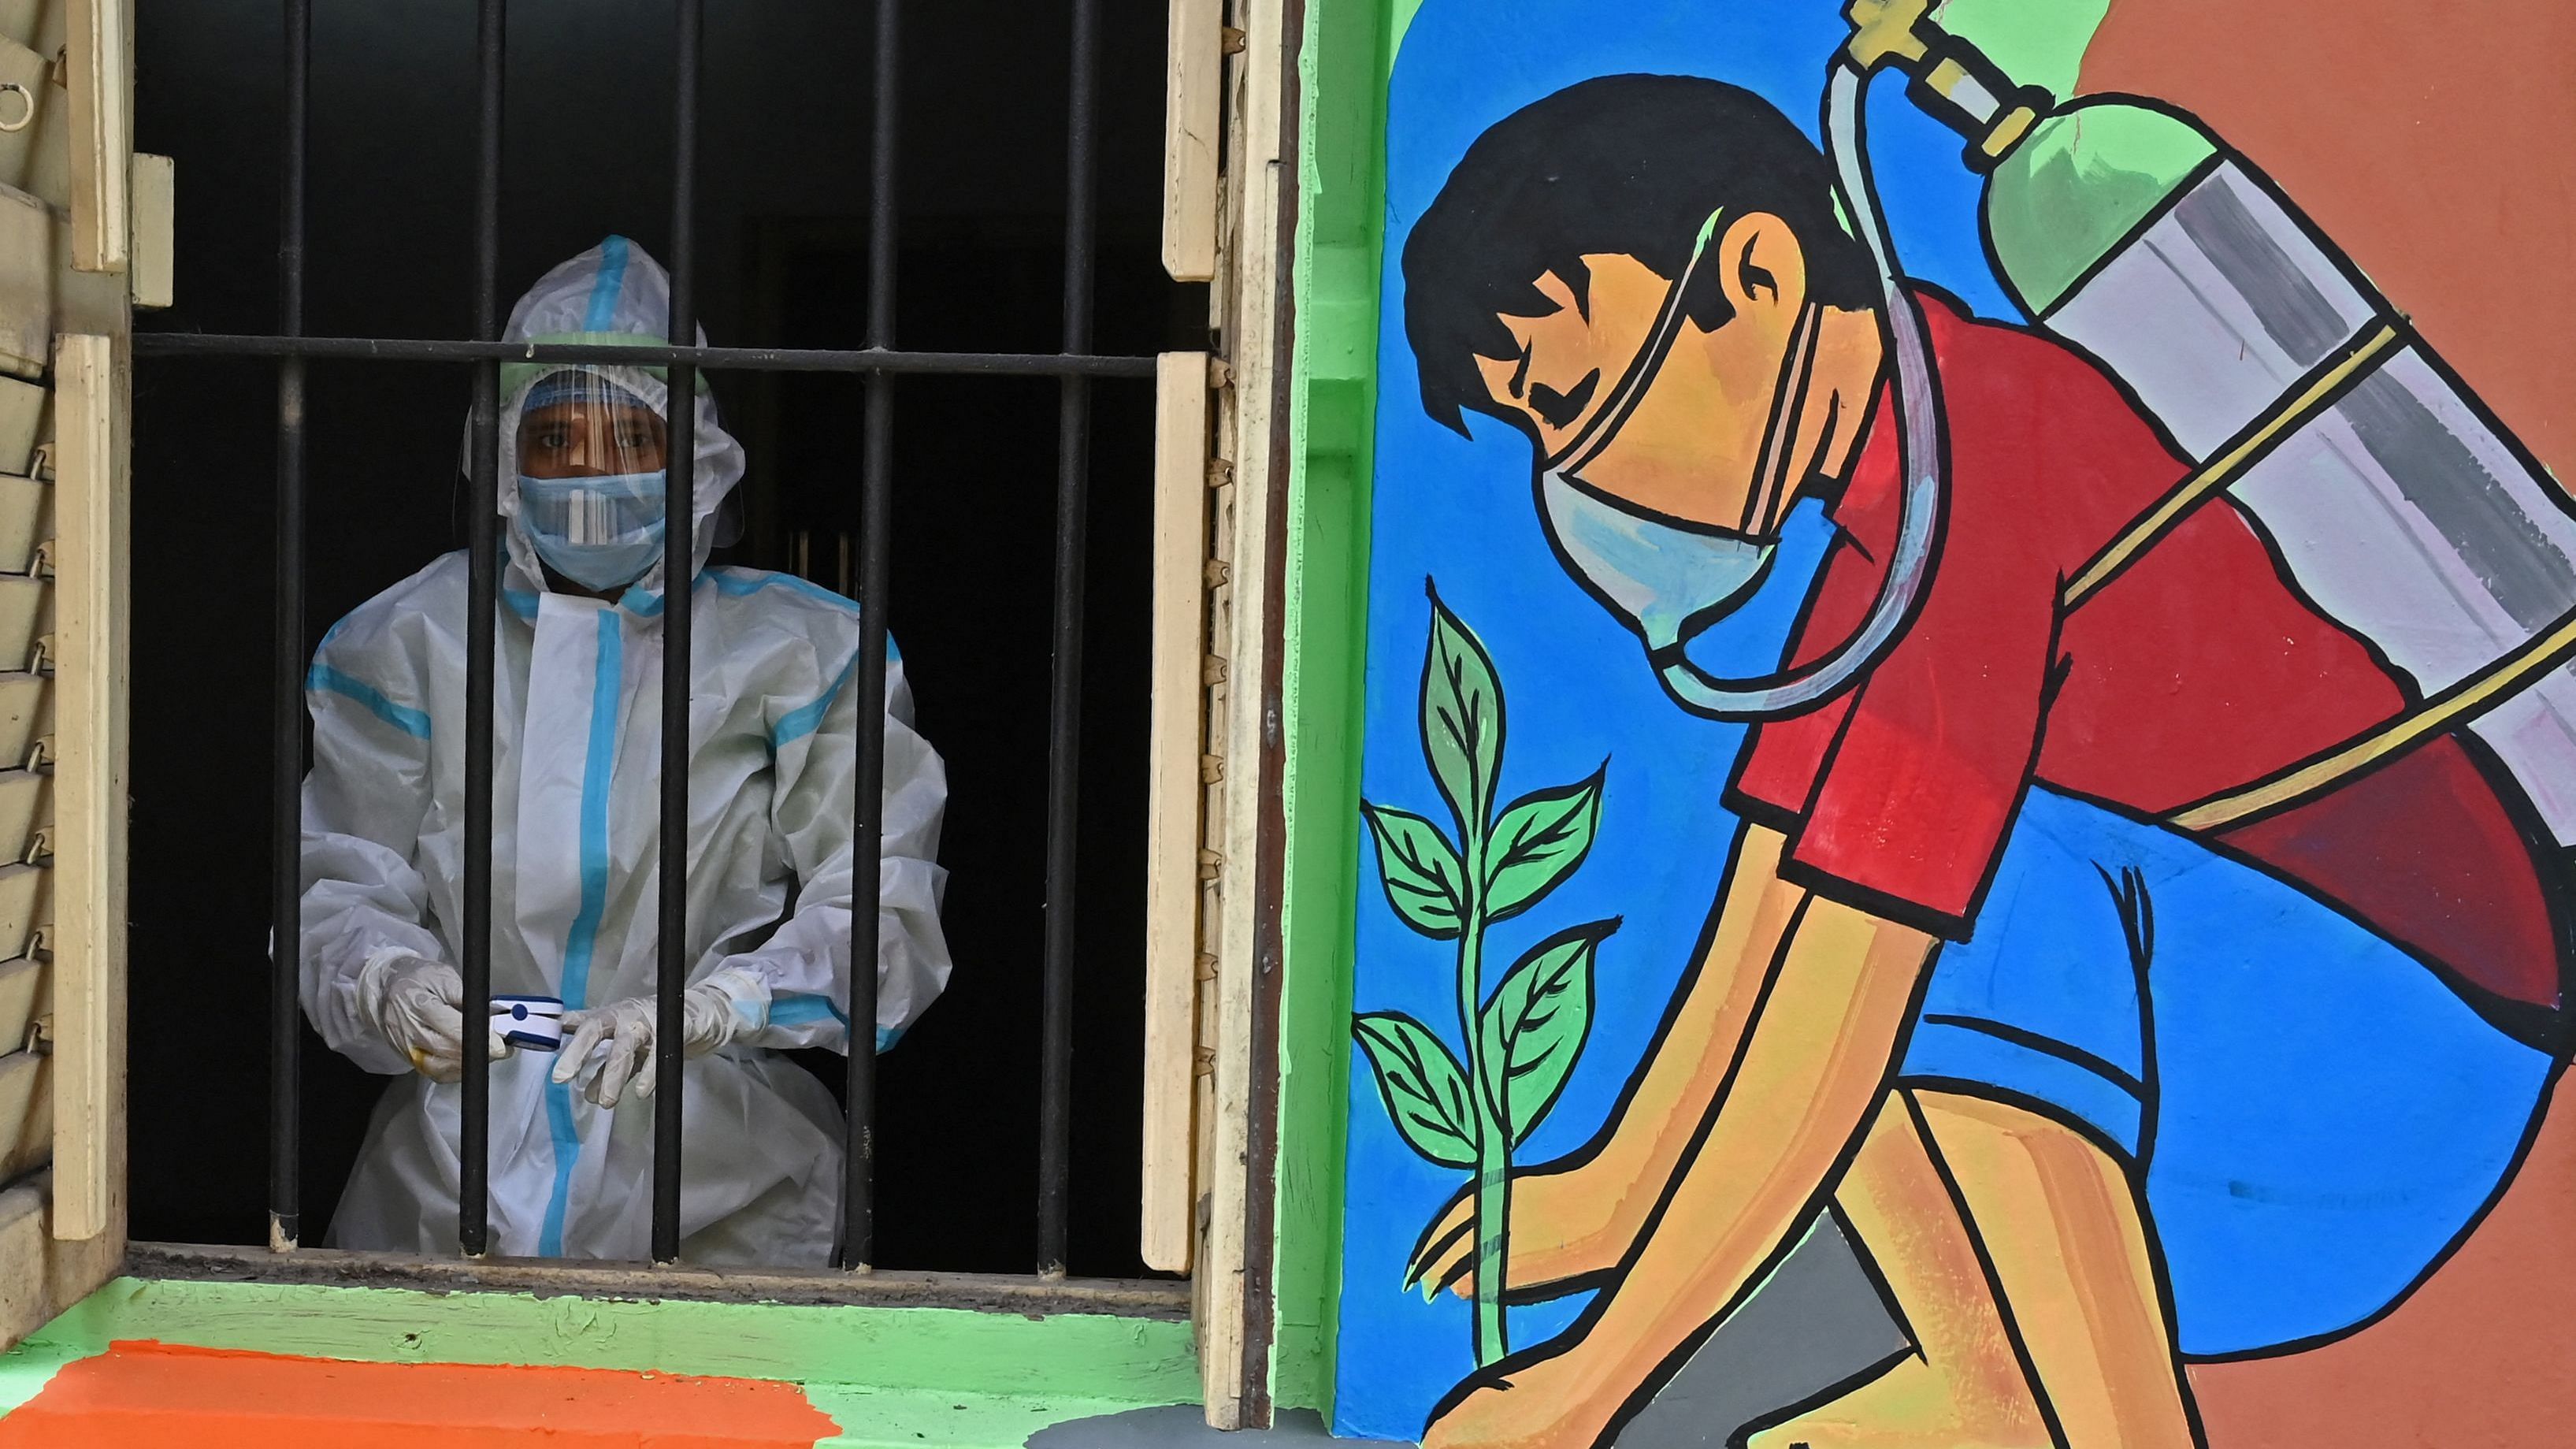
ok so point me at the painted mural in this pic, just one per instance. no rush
(2059, 930)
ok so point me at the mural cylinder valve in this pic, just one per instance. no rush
(1951, 78)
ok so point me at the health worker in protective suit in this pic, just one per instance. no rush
(577, 749)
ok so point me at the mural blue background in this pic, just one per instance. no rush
(1576, 684)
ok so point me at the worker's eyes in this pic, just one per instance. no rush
(637, 439)
(552, 440)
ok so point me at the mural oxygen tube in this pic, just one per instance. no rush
(2400, 506)
(1595, 539)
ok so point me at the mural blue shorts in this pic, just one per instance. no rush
(2318, 1114)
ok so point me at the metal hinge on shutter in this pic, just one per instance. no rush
(26, 804)
(1179, 774)
(84, 236)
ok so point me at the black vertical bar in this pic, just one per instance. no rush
(482, 606)
(876, 523)
(287, 666)
(867, 835)
(679, 573)
(1064, 702)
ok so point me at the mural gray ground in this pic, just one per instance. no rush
(1180, 1426)
(1817, 1322)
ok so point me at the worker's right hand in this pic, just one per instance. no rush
(612, 1050)
(418, 1006)
(1563, 1224)
(607, 1049)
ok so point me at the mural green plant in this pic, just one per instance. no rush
(1521, 1041)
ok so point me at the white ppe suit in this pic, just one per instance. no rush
(576, 771)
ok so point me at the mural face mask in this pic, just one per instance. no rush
(1670, 580)
(1667, 578)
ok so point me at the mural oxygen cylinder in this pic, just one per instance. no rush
(2401, 507)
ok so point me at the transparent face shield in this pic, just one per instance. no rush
(1669, 579)
(592, 478)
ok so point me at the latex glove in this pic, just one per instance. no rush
(419, 1006)
(611, 1048)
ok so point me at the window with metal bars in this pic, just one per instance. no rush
(979, 479)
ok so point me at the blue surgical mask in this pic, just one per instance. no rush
(597, 532)
(1670, 579)
(1664, 578)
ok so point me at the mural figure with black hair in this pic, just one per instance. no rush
(2065, 956)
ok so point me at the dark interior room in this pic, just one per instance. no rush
(781, 246)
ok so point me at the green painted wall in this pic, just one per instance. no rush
(1341, 150)
(2035, 44)
(891, 1376)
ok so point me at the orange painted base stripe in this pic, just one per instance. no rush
(151, 1396)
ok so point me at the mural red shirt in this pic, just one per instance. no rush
(2196, 671)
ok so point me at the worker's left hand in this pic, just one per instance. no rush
(727, 1005)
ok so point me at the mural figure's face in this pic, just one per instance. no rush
(1692, 447)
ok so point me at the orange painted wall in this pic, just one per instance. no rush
(151, 1396)
(2432, 138)
(2483, 1356)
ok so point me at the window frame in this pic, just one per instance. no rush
(1241, 236)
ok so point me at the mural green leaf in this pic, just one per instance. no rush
(1520, 1044)
(1424, 1088)
(1534, 1028)
(1425, 880)
(1538, 843)
(1462, 719)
